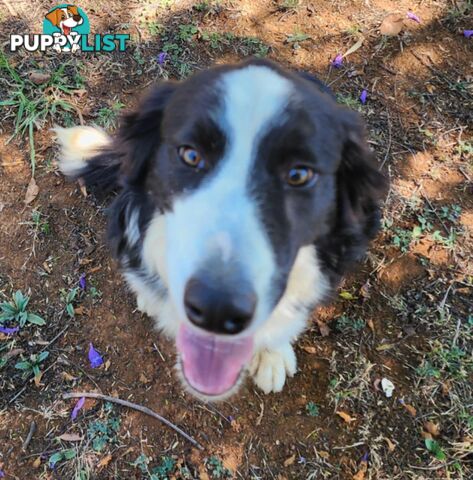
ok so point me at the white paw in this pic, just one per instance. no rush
(269, 368)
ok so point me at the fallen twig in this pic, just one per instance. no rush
(29, 436)
(134, 406)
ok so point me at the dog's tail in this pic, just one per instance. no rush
(87, 153)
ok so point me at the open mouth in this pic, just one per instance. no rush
(211, 364)
(67, 30)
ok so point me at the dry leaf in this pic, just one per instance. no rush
(309, 349)
(107, 365)
(12, 353)
(143, 378)
(391, 445)
(426, 435)
(235, 425)
(366, 287)
(39, 78)
(385, 346)
(80, 310)
(324, 328)
(67, 376)
(360, 475)
(37, 462)
(323, 454)
(104, 461)
(71, 437)
(355, 47)
(31, 192)
(37, 379)
(289, 461)
(371, 325)
(392, 24)
(410, 409)
(432, 428)
(347, 418)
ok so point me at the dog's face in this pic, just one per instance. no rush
(65, 18)
(240, 168)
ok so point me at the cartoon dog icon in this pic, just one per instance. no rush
(66, 19)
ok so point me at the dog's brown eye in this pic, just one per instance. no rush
(191, 157)
(300, 176)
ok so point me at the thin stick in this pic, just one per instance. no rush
(134, 406)
(29, 436)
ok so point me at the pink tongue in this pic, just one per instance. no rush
(210, 364)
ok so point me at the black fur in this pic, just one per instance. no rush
(343, 228)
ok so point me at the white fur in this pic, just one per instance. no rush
(220, 216)
(221, 219)
(77, 145)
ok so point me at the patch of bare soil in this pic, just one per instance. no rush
(406, 315)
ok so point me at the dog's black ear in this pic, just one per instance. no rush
(361, 189)
(140, 133)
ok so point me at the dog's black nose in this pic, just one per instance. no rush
(216, 310)
(76, 18)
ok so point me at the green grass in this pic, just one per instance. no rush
(31, 105)
(107, 117)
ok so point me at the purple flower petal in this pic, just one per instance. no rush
(162, 57)
(9, 331)
(94, 357)
(468, 33)
(79, 405)
(2, 474)
(365, 457)
(82, 282)
(414, 17)
(337, 62)
(363, 96)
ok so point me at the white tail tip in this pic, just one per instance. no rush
(79, 144)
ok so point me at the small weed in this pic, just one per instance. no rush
(349, 101)
(60, 456)
(253, 46)
(434, 448)
(40, 224)
(107, 116)
(103, 432)
(464, 149)
(32, 366)
(451, 213)
(312, 409)
(354, 30)
(216, 468)
(186, 32)
(154, 28)
(15, 311)
(69, 298)
(444, 360)
(297, 37)
(288, 5)
(95, 293)
(345, 323)
(161, 472)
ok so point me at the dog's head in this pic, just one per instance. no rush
(240, 167)
(65, 18)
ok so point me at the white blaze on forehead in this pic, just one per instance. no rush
(220, 219)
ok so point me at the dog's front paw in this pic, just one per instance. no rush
(270, 367)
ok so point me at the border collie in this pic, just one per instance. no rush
(243, 194)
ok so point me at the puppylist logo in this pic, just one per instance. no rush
(66, 28)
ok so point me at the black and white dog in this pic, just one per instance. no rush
(244, 193)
